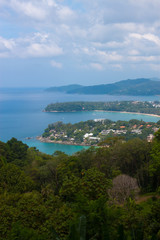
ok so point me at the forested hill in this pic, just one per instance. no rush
(127, 106)
(140, 86)
(64, 88)
(92, 195)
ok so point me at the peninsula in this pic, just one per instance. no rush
(98, 131)
(152, 108)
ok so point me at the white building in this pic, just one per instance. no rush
(87, 135)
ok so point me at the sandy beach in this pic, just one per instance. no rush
(148, 114)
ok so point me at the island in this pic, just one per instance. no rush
(132, 87)
(98, 131)
(152, 108)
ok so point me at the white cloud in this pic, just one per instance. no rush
(124, 10)
(142, 58)
(96, 66)
(50, 3)
(133, 52)
(38, 45)
(7, 44)
(94, 33)
(109, 56)
(42, 50)
(56, 64)
(65, 13)
(149, 37)
(29, 9)
(102, 56)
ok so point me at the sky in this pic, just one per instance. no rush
(58, 42)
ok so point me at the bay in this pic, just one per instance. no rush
(22, 116)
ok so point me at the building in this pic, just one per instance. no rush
(150, 138)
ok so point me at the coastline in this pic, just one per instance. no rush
(54, 111)
(147, 114)
(41, 139)
(47, 140)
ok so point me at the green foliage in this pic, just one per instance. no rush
(94, 184)
(18, 232)
(131, 155)
(111, 141)
(69, 188)
(4, 149)
(78, 229)
(101, 132)
(154, 167)
(17, 152)
(12, 179)
(128, 106)
(63, 197)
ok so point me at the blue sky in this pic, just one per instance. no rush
(59, 42)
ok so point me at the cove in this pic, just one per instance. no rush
(22, 116)
(50, 148)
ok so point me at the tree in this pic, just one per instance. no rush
(12, 179)
(70, 187)
(17, 152)
(19, 232)
(78, 229)
(154, 166)
(4, 149)
(94, 183)
(130, 156)
(124, 187)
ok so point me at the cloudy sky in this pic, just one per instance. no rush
(59, 42)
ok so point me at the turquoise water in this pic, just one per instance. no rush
(22, 116)
(50, 148)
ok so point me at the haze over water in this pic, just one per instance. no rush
(22, 116)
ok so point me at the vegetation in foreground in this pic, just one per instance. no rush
(92, 195)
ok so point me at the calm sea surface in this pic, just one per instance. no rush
(21, 115)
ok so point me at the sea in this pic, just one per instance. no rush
(22, 116)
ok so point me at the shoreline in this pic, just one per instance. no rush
(41, 139)
(45, 140)
(147, 114)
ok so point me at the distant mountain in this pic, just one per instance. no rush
(64, 88)
(140, 86)
(155, 79)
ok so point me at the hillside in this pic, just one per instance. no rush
(122, 106)
(64, 88)
(96, 132)
(140, 86)
(95, 194)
